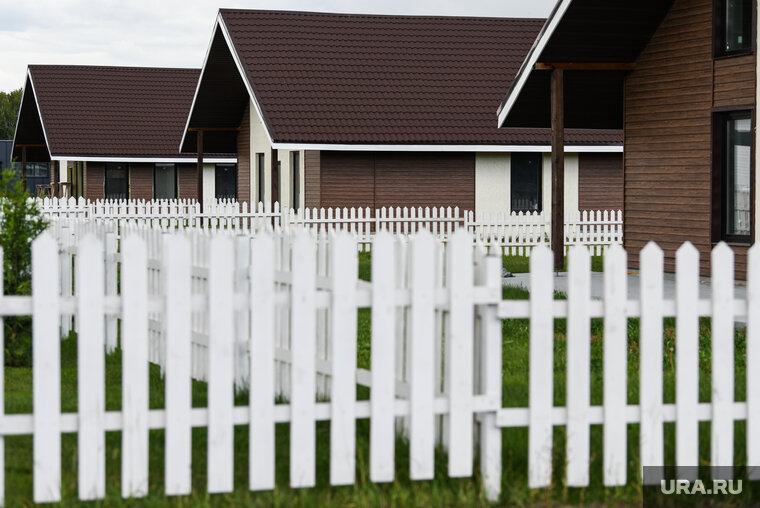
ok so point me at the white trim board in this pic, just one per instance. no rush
(530, 62)
(448, 148)
(176, 160)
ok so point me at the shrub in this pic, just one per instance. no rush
(20, 223)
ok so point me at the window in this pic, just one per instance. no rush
(526, 182)
(116, 180)
(226, 181)
(296, 179)
(37, 173)
(165, 181)
(260, 161)
(733, 27)
(732, 177)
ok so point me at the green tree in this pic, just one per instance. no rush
(20, 223)
(9, 105)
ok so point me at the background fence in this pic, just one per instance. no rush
(436, 355)
(513, 234)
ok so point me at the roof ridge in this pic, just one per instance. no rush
(117, 67)
(375, 15)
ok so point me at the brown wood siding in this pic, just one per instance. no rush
(734, 81)
(141, 181)
(600, 181)
(385, 179)
(244, 158)
(312, 184)
(94, 181)
(188, 181)
(668, 101)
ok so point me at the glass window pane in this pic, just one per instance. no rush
(116, 181)
(296, 198)
(738, 153)
(738, 25)
(260, 168)
(526, 182)
(165, 181)
(225, 181)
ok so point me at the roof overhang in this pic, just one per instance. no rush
(158, 160)
(448, 148)
(221, 96)
(598, 33)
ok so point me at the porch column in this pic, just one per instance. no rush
(199, 170)
(63, 177)
(558, 168)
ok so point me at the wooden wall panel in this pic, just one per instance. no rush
(734, 81)
(141, 181)
(600, 181)
(312, 182)
(94, 181)
(668, 101)
(188, 181)
(347, 179)
(425, 179)
(244, 157)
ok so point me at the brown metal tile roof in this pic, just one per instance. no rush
(367, 79)
(113, 111)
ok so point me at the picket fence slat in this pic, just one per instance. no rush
(262, 373)
(46, 370)
(421, 421)
(722, 361)
(303, 389)
(134, 344)
(753, 362)
(615, 446)
(651, 367)
(2, 386)
(221, 367)
(178, 446)
(687, 360)
(343, 274)
(578, 366)
(91, 446)
(541, 393)
(383, 360)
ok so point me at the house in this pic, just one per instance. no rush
(112, 132)
(344, 110)
(680, 78)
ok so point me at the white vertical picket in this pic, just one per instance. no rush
(460, 353)
(46, 370)
(752, 366)
(615, 366)
(262, 374)
(383, 364)
(65, 259)
(687, 360)
(91, 446)
(176, 270)
(422, 423)
(134, 344)
(242, 316)
(2, 384)
(343, 320)
(541, 368)
(110, 282)
(221, 365)
(303, 328)
(651, 368)
(491, 379)
(722, 349)
(578, 366)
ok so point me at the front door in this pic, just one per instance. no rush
(226, 181)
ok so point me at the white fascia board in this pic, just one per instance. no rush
(527, 67)
(160, 160)
(449, 148)
(243, 75)
(39, 111)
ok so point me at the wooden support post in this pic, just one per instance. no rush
(200, 168)
(558, 168)
(23, 165)
(275, 177)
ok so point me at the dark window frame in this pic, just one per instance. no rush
(719, 31)
(126, 179)
(176, 178)
(235, 170)
(719, 217)
(261, 178)
(295, 175)
(540, 183)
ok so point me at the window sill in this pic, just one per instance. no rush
(748, 52)
(733, 243)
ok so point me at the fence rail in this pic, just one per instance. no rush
(436, 357)
(513, 234)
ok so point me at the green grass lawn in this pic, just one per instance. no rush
(402, 492)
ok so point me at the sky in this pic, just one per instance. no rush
(173, 33)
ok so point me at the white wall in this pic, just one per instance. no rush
(493, 178)
(209, 180)
(259, 144)
(757, 140)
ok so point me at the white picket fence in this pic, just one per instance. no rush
(436, 344)
(513, 234)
